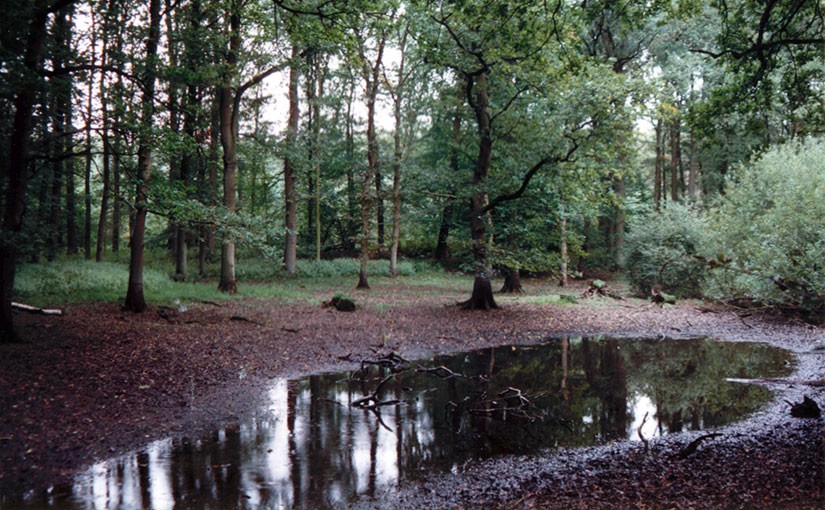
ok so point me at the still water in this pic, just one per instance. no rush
(325, 440)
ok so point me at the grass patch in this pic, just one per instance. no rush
(76, 280)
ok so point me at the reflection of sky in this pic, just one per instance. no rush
(640, 406)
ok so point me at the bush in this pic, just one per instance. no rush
(769, 227)
(661, 249)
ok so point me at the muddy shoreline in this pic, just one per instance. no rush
(98, 382)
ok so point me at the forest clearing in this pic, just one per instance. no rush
(392, 253)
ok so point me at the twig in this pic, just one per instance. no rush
(639, 432)
(441, 372)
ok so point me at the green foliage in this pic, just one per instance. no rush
(71, 281)
(661, 249)
(769, 226)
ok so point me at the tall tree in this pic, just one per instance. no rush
(230, 94)
(290, 193)
(135, 300)
(497, 53)
(371, 65)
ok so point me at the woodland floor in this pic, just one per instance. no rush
(98, 381)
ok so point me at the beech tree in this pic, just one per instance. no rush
(135, 300)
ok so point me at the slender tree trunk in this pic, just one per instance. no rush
(116, 198)
(71, 211)
(565, 257)
(371, 76)
(693, 177)
(229, 132)
(658, 167)
(398, 157)
(117, 148)
(675, 158)
(316, 156)
(87, 179)
(135, 300)
(441, 247)
(352, 197)
(104, 198)
(290, 194)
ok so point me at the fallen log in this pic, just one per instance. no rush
(33, 309)
(691, 448)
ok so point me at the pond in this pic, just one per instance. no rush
(325, 440)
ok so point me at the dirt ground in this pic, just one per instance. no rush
(98, 382)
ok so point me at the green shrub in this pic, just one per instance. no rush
(769, 226)
(661, 249)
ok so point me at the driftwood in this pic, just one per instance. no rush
(691, 448)
(33, 309)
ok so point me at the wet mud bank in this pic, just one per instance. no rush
(98, 382)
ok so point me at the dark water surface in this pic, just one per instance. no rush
(315, 443)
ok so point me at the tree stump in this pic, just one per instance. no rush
(482, 297)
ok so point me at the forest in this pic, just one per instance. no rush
(674, 141)
(412, 254)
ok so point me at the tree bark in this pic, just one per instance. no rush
(229, 131)
(512, 282)
(104, 196)
(675, 160)
(135, 300)
(693, 177)
(371, 77)
(482, 296)
(290, 194)
(658, 167)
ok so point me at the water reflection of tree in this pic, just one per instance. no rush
(580, 390)
(605, 372)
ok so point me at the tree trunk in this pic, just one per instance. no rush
(316, 156)
(371, 77)
(209, 183)
(482, 296)
(71, 210)
(658, 168)
(229, 131)
(441, 247)
(87, 179)
(564, 251)
(675, 157)
(693, 177)
(398, 98)
(104, 198)
(512, 282)
(290, 194)
(135, 300)
(352, 196)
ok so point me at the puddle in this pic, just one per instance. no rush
(319, 442)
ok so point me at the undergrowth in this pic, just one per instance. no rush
(73, 280)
